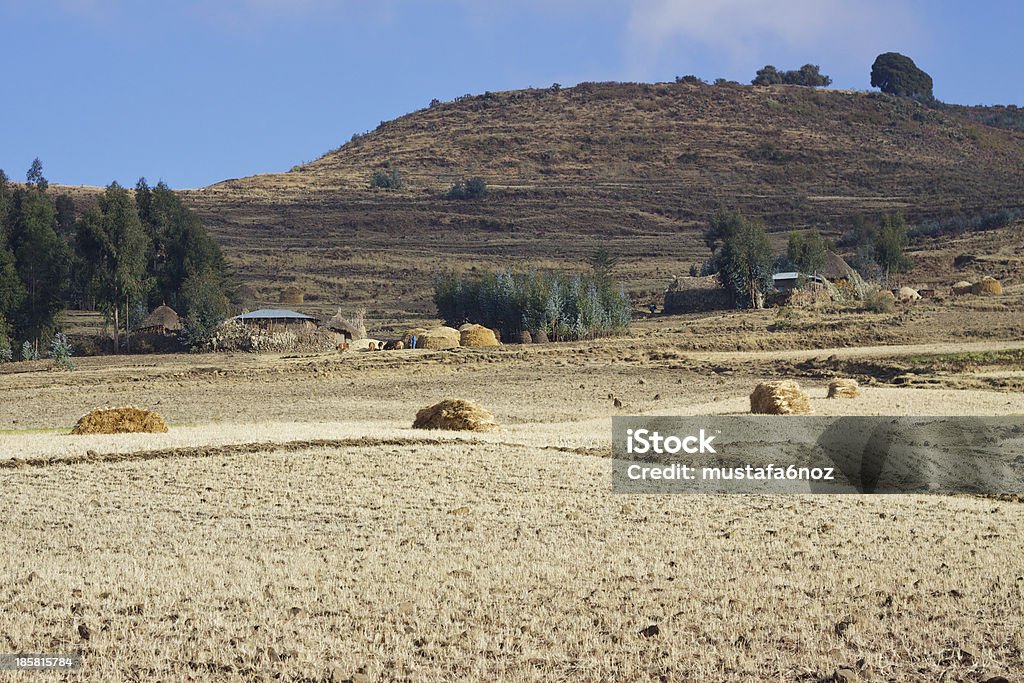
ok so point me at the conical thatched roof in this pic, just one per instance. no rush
(836, 268)
(351, 327)
(161, 317)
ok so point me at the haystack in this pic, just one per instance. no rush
(909, 294)
(414, 332)
(525, 337)
(962, 287)
(440, 337)
(477, 336)
(455, 414)
(843, 388)
(988, 286)
(126, 420)
(292, 295)
(540, 337)
(781, 397)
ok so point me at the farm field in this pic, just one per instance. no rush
(292, 526)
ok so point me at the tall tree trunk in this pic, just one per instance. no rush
(117, 327)
(127, 333)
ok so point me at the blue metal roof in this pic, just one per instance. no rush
(273, 314)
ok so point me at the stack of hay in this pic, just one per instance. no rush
(476, 336)
(781, 397)
(962, 287)
(843, 388)
(455, 414)
(125, 420)
(440, 337)
(292, 295)
(525, 337)
(988, 286)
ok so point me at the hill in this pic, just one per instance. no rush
(637, 168)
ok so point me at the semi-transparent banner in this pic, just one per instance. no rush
(811, 454)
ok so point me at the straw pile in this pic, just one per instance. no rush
(909, 294)
(781, 397)
(126, 420)
(540, 337)
(414, 332)
(962, 287)
(525, 337)
(292, 295)
(477, 336)
(988, 286)
(455, 414)
(843, 388)
(440, 337)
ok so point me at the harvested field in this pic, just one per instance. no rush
(274, 538)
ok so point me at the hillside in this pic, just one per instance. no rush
(634, 167)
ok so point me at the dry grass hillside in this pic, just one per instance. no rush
(635, 167)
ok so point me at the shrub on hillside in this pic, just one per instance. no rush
(386, 180)
(473, 188)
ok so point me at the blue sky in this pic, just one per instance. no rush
(193, 92)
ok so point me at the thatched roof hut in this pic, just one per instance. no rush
(836, 269)
(162, 320)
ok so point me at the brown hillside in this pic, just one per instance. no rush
(634, 167)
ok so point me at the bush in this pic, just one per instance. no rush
(60, 352)
(808, 75)
(563, 306)
(28, 351)
(880, 302)
(474, 188)
(386, 180)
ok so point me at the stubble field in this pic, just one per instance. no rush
(292, 526)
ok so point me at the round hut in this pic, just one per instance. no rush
(162, 320)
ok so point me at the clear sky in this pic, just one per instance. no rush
(197, 91)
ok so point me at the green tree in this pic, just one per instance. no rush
(742, 258)
(35, 175)
(897, 74)
(603, 263)
(114, 245)
(807, 252)
(890, 243)
(206, 305)
(768, 75)
(180, 247)
(42, 260)
(808, 75)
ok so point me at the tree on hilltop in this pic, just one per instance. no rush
(896, 74)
